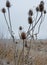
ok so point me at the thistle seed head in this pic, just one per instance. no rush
(8, 4)
(41, 7)
(3, 10)
(20, 28)
(37, 9)
(30, 20)
(23, 35)
(44, 11)
(30, 13)
(42, 2)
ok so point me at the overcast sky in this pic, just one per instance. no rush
(19, 16)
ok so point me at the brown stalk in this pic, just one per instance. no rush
(10, 21)
(6, 22)
(23, 51)
(32, 32)
(28, 52)
(42, 19)
(12, 35)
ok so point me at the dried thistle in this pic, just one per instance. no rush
(3, 10)
(44, 11)
(30, 20)
(42, 2)
(30, 13)
(41, 7)
(37, 9)
(8, 4)
(23, 35)
(20, 28)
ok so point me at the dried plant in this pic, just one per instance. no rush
(20, 28)
(25, 35)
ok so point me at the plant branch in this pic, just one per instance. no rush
(6, 22)
(10, 21)
(28, 30)
(42, 19)
(35, 24)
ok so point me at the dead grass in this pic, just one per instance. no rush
(37, 55)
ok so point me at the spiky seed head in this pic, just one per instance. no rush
(3, 10)
(42, 2)
(23, 35)
(30, 12)
(41, 7)
(8, 4)
(20, 28)
(30, 20)
(44, 11)
(37, 9)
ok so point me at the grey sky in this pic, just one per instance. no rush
(19, 16)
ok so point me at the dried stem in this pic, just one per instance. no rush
(29, 27)
(23, 51)
(28, 52)
(10, 31)
(35, 24)
(32, 31)
(36, 17)
(28, 30)
(10, 21)
(6, 22)
(42, 19)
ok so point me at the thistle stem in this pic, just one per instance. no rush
(35, 24)
(10, 21)
(23, 51)
(32, 31)
(6, 22)
(36, 19)
(28, 30)
(42, 19)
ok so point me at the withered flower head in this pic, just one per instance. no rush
(3, 10)
(30, 20)
(8, 4)
(23, 35)
(30, 13)
(44, 11)
(20, 28)
(37, 9)
(42, 2)
(41, 7)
